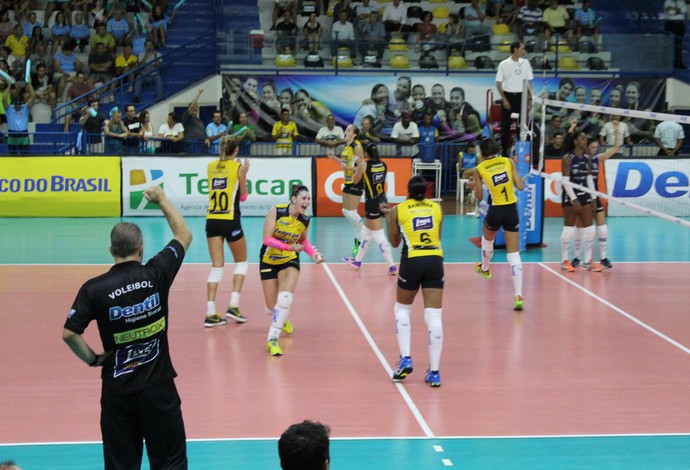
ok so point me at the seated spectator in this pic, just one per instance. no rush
(118, 26)
(394, 19)
(59, 31)
(474, 20)
(426, 33)
(43, 86)
(286, 34)
(42, 56)
(586, 23)
(30, 23)
(215, 130)
(18, 43)
(195, 130)
(557, 21)
(305, 446)
(115, 133)
(63, 6)
(125, 63)
(104, 37)
(363, 12)
(330, 135)
(343, 35)
(78, 91)
(405, 133)
(494, 8)
(65, 67)
(5, 25)
(101, 64)
(279, 7)
(159, 25)
(345, 5)
(455, 33)
(171, 134)
(112, 5)
(245, 134)
(97, 13)
(529, 20)
(149, 74)
(134, 129)
(283, 132)
(18, 120)
(36, 37)
(91, 122)
(312, 34)
(139, 38)
(468, 160)
(79, 32)
(372, 37)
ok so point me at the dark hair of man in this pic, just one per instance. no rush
(416, 188)
(125, 239)
(304, 446)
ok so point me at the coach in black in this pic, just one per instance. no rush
(139, 400)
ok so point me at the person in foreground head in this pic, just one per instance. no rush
(305, 446)
(417, 223)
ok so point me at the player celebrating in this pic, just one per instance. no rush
(227, 184)
(372, 171)
(285, 236)
(417, 222)
(501, 178)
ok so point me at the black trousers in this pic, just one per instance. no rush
(515, 100)
(153, 415)
(677, 28)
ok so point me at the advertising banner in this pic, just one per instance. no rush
(60, 187)
(185, 182)
(553, 188)
(329, 183)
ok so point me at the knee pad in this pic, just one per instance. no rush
(379, 236)
(588, 233)
(241, 268)
(216, 275)
(284, 299)
(402, 311)
(602, 232)
(433, 317)
(568, 232)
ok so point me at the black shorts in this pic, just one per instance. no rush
(153, 414)
(270, 271)
(503, 216)
(231, 230)
(354, 189)
(426, 271)
(372, 210)
(598, 206)
(584, 198)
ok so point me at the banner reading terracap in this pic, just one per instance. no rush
(60, 187)
(185, 182)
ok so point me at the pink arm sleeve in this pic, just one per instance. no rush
(274, 243)
(308, 247)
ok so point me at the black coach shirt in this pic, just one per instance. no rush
(130, 305)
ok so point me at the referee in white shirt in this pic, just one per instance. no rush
(509, 77)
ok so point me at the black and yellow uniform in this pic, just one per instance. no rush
(288, 230)
(348, 157)
(421, 260)
(374, 189)
(497, 174)
(223, 214)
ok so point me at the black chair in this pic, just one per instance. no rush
(313, 61)
(478, 43)
(415, 12)
(596, 63)
(484, 62)
(538, 63)
(428, 61)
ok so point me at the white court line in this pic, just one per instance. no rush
(619, 310)
(372, 344)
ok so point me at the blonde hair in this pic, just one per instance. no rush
(228, 145)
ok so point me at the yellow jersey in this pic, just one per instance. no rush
(285, 134)
(288, 230)
(497, 174)
(348, 157)
(223, 190)
(420, 225)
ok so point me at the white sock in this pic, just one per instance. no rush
(210, 307)
(280, 314)
(487, 253)
(235, 299)
(434, 324)
(603, 235)
(402, 327)
(355, 221)
(579, 231)
(365, 238)
(588, 236)
(567, 235)
(516, 271)
(384, 247)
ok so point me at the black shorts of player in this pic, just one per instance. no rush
(425, 271)
(152, 414)
(598, 206)
(584, 198)
(503, 216)
(270, 271)
(354, 189)
(231, 230)
(372, 208)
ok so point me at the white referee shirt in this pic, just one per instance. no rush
(669, 133)
(511, 74)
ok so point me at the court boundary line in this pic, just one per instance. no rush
(620, 311)
(379, 355)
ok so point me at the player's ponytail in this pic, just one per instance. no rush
(228, 144)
